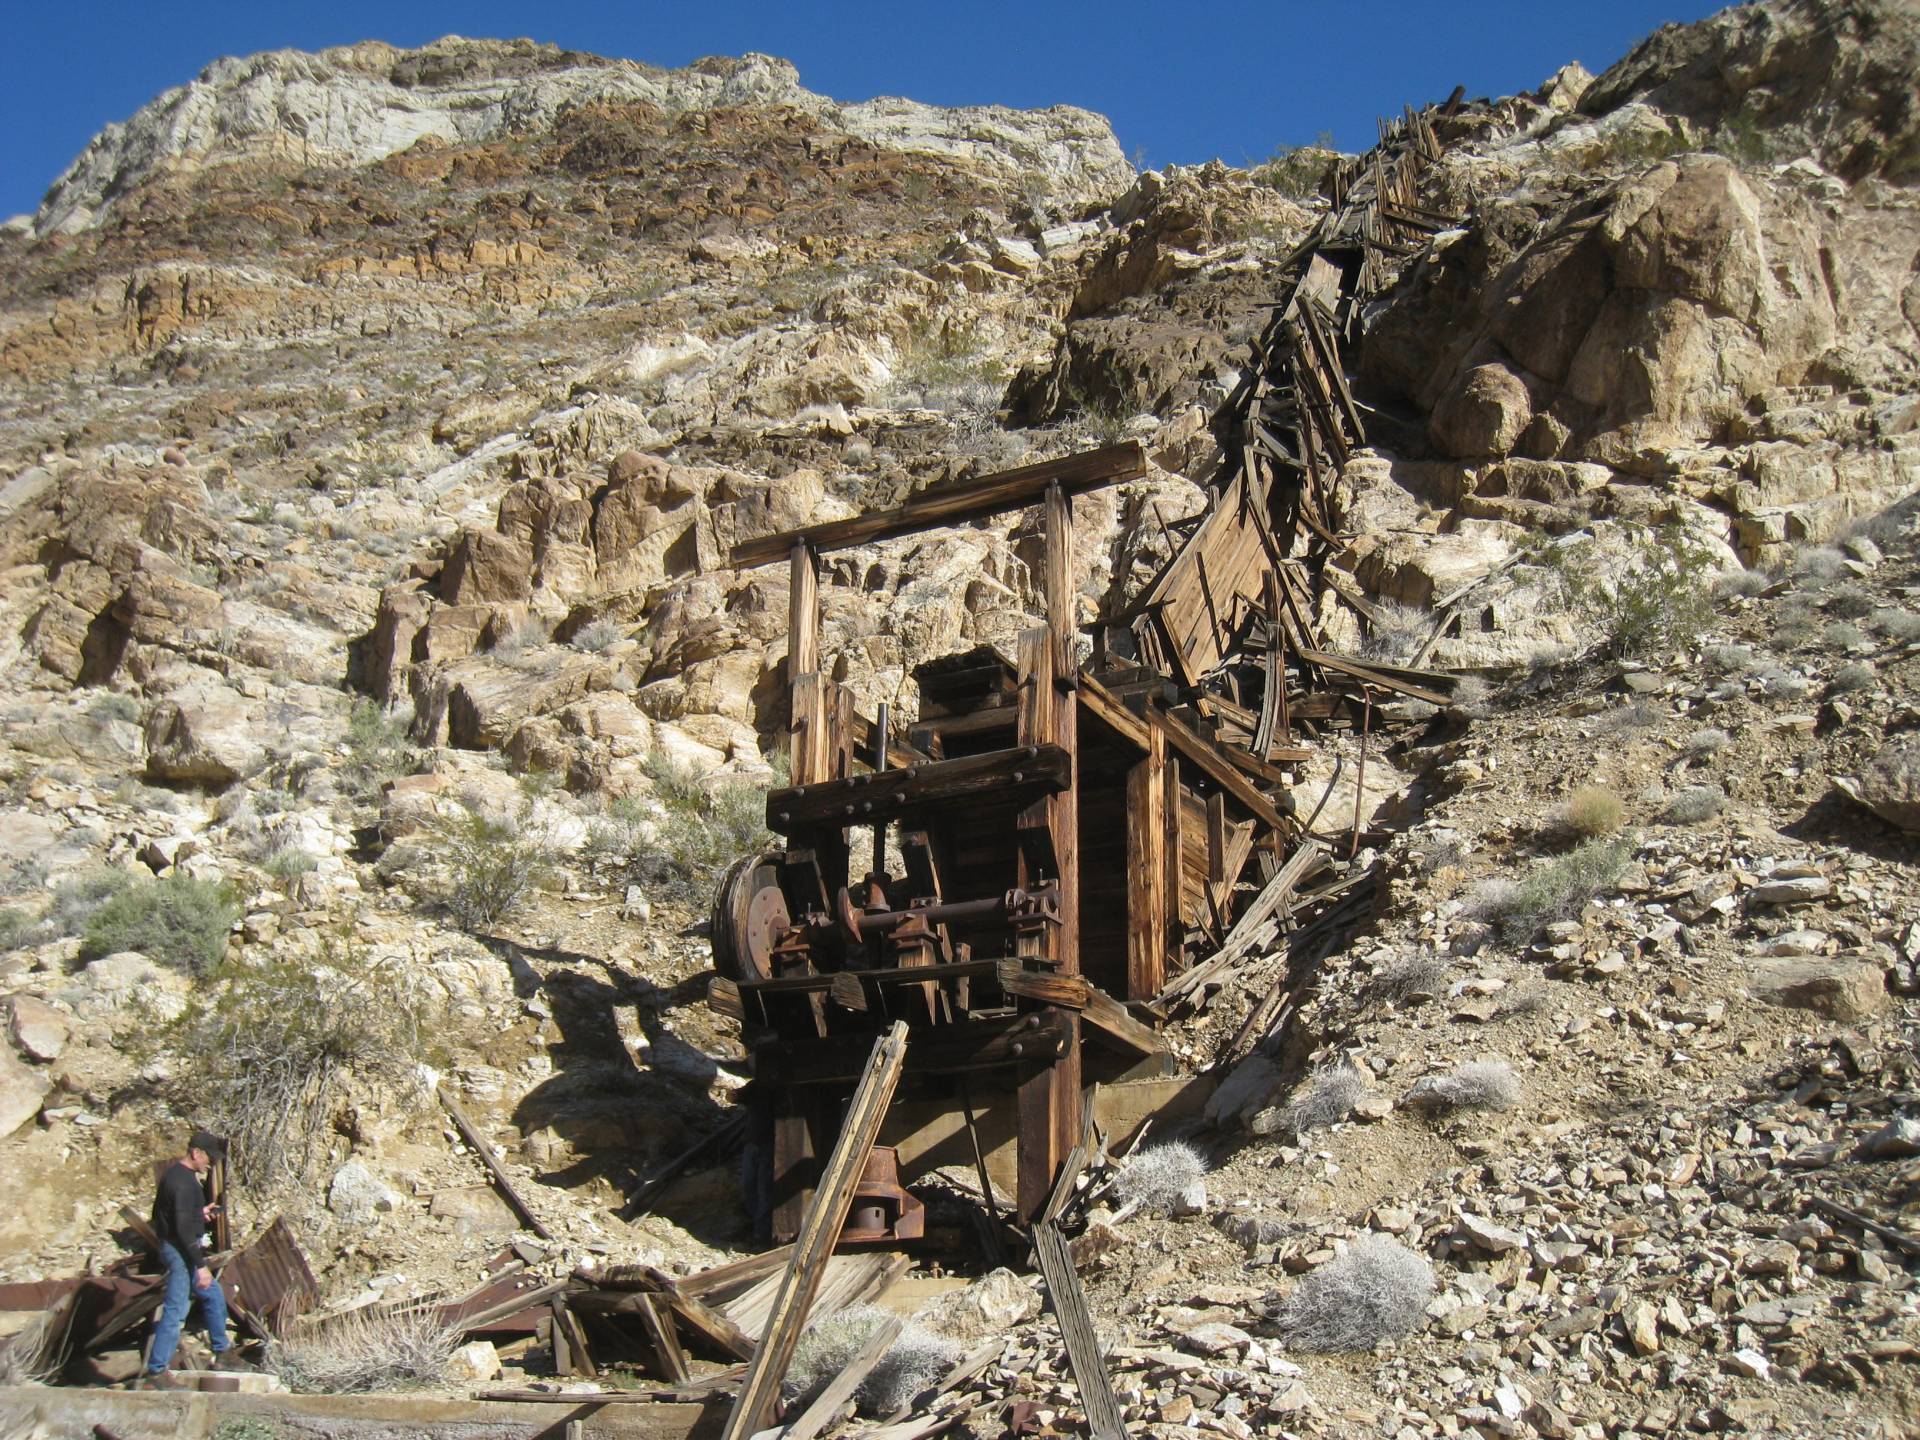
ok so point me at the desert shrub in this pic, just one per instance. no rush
(376, 747)
(1527, 997)
(265, 1053)
(1325, 1098)
(77, 900)
(705, 829)
(1299, 172)
(366, 1350)
(916, 1359)
(1476, 1085)
(289, 862)
(1408, 975)
(112, 705)
(1818, 564)
(1634, 715)
(1777, 682)
(1899, 626)
(1850, 602)
(1708, 741)
(1471, 694)
(1745, 583)
(598, 636)
(1654, 603)
(493, 859)
(1398, 633)
(1593, 810)
(15, 927)
(1156, 1176)
(36, 1353)
(178, 922)
(1842, 635)
(1378, 1290)
(1555, 890)
(1796, 621)
(22, 876)
(1857, 676)
(1693, 805)
(1727, 659)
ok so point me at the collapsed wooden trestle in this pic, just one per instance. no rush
(1056, 851)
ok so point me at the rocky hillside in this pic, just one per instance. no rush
(374, 426)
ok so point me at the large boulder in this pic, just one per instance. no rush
(38, 1030)
(22, 1091)
(1840, 989)
(1890, 786)
(206, 735)
(485, 567)
(1484, 415)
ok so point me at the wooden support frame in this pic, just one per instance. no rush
(1147, 870)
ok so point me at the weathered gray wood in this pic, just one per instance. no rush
(499, 1176)
(1069, 1305)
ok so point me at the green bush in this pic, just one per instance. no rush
(376, 747)
(1555, 890)
(178, 922)
(15, 926)
(265, 1052)
(704, 830)
(1658, 602)
(1593, 810)
(492, 862)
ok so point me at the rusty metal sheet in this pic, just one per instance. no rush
(271, 1280)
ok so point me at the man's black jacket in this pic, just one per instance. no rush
(177, 1213)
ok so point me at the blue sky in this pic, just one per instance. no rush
(1181, 82)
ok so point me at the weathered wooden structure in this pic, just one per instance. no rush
(1027, 873)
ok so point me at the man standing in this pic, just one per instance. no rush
(180, 1217)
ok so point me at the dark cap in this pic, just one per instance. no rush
(206, 1140)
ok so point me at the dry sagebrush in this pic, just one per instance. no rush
(1326, 1098)
(1378, 1290)
(364, 1351)
(1476, 1085)
(1156, 1176)
(915, 1360)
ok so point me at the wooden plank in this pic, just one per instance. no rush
(1204, 754)
(630, 1281)
(1386, 677)
(1024, 770)
(735, 1274)
(955, 504)
(1069, 1305)
(1147, 871)
(643, 1197)
(825, 1406)
(803, 614)
(753, 1410)
(657, 1321)
(499, 1176)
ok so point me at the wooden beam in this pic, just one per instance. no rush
(1147, 870)
(753, 1409)
(1387, 677)
(955, 504)
(499, 1176)
(1206, 755)
(736, 1274)
(1110, 1018)
(1023, 771)
(1069, 1305)
(1112, 712)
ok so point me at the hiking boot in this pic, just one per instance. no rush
(162, 1380)
(232, 1361)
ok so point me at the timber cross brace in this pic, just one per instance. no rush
(1051, 858)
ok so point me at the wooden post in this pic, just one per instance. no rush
(803, 613)
(1147, 871)
(753, 1409)
(1050, 1104)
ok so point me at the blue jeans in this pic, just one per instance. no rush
(180, 1294)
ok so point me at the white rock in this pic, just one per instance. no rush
(357, 1195)
(473, 1363)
